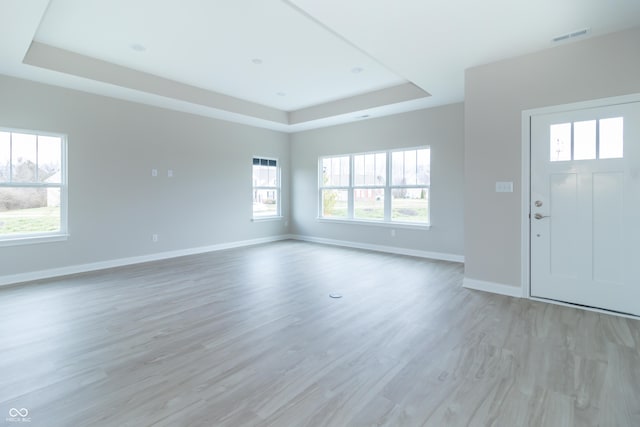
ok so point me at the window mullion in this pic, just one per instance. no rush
(350, 194)
(387, 189)
(37, 171)
(10, 157)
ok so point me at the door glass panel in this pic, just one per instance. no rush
(611, 138)
(584, 140)
(560, 142)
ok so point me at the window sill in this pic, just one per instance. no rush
(32, 240)
(267, 218)
(409, 225)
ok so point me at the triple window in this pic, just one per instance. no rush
(386, 186)
(32, 184)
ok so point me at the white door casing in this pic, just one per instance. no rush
(585, 249)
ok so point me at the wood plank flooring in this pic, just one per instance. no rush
(250, 337)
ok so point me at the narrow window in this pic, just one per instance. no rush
(266, 188)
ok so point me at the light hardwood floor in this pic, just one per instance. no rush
(249, 336)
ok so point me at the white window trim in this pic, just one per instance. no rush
(388, 187)
(277, 189)
(377, 223)
(46, 237)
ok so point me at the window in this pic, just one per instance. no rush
(266, 188)
(411, 171)
(32, 185)
(388, 186)
(586, 140)
(334, 190)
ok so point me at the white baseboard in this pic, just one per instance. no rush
(121, 262)
(102, 265)
(496, 288)
(381, 248)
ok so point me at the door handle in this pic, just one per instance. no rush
(540, 216)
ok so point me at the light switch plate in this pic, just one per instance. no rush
(504, 187)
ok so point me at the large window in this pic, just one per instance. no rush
(386, 186)
(266, 188)
(32, 185)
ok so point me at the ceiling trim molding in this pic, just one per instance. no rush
(391, 95)
(52, 58)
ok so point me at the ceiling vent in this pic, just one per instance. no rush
(571, 35)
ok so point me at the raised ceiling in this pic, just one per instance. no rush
(284, 65)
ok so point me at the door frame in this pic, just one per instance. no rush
(525, 248)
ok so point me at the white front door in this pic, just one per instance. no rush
(585, 207)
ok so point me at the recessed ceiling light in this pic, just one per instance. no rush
(138, 47)
(257, 61)
(357, 70)
(281, 94)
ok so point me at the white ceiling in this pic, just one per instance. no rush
(319, 62)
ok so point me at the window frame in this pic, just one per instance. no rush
(387, 188)
(277, 188)
(42, 237)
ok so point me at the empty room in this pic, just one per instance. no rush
(305, 213)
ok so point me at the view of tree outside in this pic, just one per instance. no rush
(30, 183)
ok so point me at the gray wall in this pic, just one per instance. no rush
(441, 128)
(114, 203)
(495, 96)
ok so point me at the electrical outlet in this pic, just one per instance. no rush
(393, 233)
(170, 173)
(154, 172)
(154, 238)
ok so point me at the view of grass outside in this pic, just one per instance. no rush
(410, 204)
(410, 210)
(369, 204)
(265, 203)
(34, 220)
